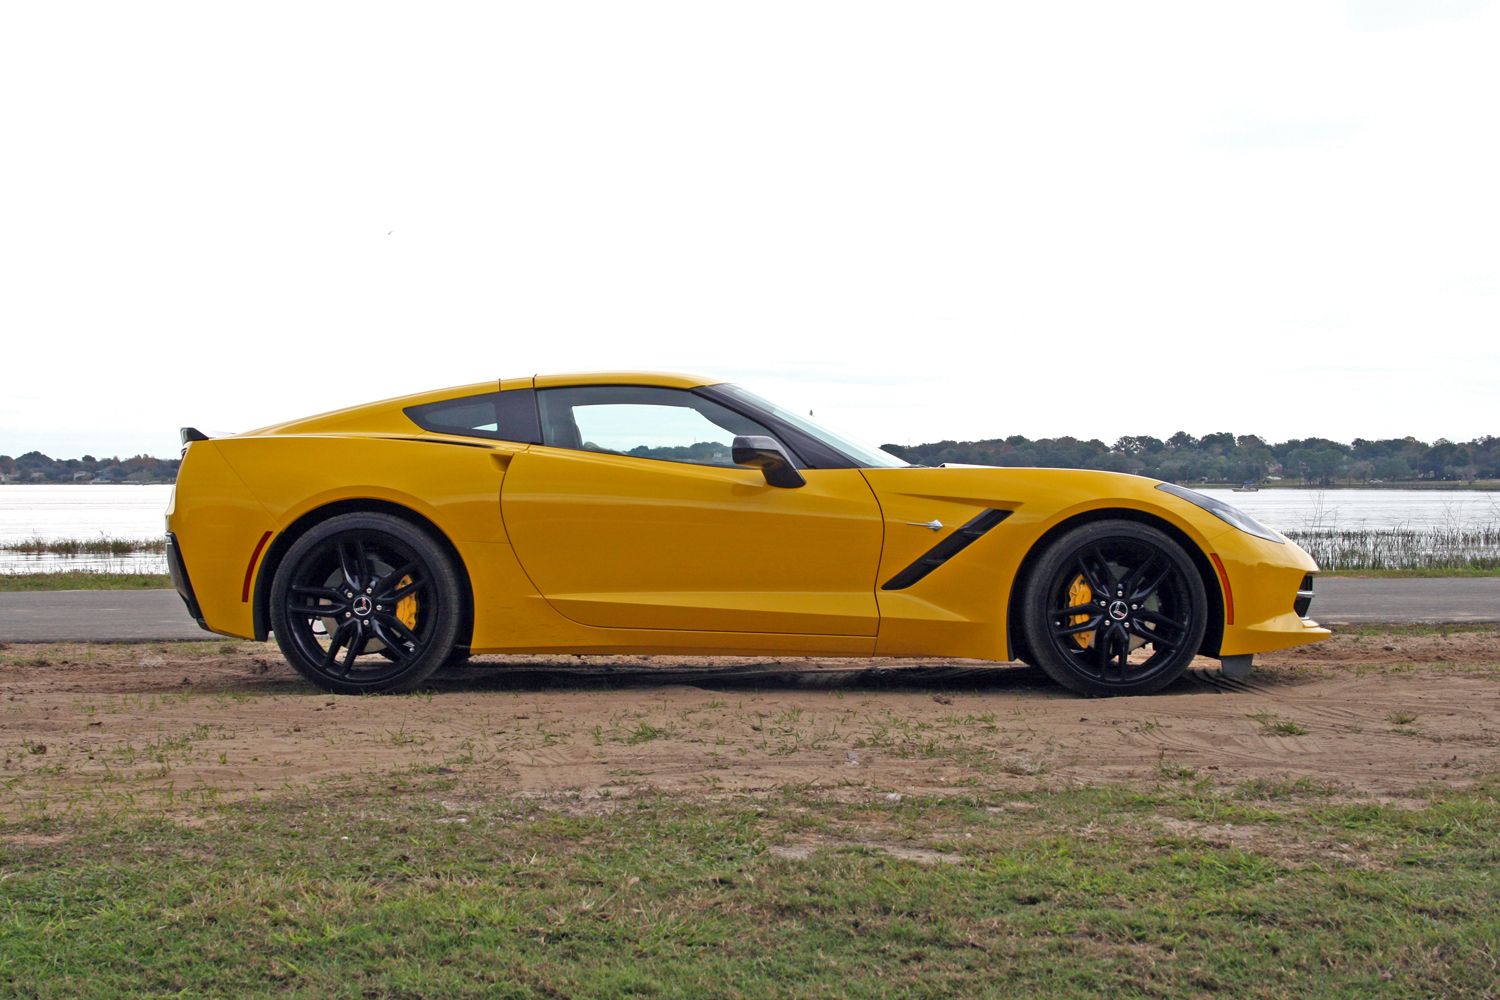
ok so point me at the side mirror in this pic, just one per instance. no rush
(766, 454)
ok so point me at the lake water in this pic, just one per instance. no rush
(137, 512)
(82, 512)
(1297, 510)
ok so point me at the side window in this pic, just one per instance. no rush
(670, 425)
(503, 416)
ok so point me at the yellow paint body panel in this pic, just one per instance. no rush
(590, 552)
(626, 542)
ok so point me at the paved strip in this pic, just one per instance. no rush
(95, 616)
(158, 615)
(1436, 600)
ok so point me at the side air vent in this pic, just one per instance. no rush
(949, 547)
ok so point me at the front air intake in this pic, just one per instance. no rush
(1304, 597)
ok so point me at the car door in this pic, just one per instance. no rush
(631, 514)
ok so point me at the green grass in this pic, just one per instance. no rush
(1398, 631)
(84, 580)
(411, 888)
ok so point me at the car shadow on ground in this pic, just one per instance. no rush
(937, 678)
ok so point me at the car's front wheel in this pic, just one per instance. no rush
(366, 603)
(1114, 607)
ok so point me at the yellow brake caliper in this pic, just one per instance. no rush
(1079, 593)
(406, 608)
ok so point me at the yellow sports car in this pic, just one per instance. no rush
(630, 512)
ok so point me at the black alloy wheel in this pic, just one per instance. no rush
(1114, 607)
(366, 603)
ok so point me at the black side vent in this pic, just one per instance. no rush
(1304, 597)
(949, 547)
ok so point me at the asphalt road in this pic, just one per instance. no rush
(152, 615)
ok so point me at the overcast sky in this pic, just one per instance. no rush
(921, 221)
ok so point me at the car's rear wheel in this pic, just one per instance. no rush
(366, 603)
(1114, 607)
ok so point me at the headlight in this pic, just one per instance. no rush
(1228, 513)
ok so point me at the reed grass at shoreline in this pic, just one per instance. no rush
(104, 545)
(1428, 550)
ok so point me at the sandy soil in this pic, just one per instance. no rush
(90, 726)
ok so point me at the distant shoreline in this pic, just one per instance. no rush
(1478, 486)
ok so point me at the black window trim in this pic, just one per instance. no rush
(524, 423)
(517, 418)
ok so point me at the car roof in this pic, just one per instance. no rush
(666, 379)
(387, 416)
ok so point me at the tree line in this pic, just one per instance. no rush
(1230, 458)
(1182, 458)
(34, 467)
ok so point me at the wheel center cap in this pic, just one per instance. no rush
(362, 605)
(1119, 611)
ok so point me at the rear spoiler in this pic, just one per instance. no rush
(189, 435)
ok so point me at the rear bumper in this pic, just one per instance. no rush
(180, 580)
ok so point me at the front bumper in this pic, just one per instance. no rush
(1270, 588)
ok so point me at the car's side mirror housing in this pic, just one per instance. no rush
(766, 454)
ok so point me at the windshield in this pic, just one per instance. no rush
(863, 455)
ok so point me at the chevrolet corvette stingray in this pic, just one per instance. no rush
(631, 512)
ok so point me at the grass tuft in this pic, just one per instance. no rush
(1272, 725)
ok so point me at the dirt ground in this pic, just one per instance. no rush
(88, 726)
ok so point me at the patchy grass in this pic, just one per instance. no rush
(409, 888)
(84, 580)
(164, 833)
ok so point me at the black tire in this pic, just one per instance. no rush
(1140, 635)
(366, 603)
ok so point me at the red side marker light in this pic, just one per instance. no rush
(260, 547)
(1224, 580)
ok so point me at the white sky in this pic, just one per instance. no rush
(922, 221)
